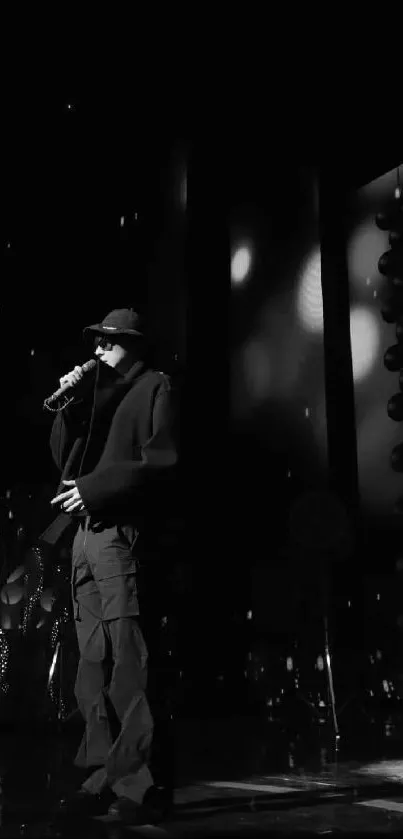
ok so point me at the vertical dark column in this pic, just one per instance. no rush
(207, 267)
(339, 383)
(205, 418)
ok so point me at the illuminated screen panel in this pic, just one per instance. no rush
(371, 336)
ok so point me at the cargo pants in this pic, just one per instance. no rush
(112, 672)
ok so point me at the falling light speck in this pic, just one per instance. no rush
(11, 514)
(53, 665)
(249, 615)
(349, 604)
(32, 352)
(122, 221)
(290, 663)
(378, 596)
(307, 412)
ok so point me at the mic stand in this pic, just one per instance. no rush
(323, 569)
(330, 686)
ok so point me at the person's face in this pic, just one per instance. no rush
(113, 353)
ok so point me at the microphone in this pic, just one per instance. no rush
(86, 367)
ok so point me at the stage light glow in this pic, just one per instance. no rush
(6, 621)
(309, 298)
(11, 594)
(47, 600)
(241, 264)
(18, 572)
(365, 340)
(366, 245)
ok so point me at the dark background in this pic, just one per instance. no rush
(78, 161)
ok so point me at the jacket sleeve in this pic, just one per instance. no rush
(68, 425)
(122, 483)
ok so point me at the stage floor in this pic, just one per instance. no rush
(303, 786)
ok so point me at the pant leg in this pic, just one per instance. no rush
(127, 763)
(92, 673)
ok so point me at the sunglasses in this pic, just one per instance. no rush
(104, 342)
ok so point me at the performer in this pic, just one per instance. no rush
(114, 444)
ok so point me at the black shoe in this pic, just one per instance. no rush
(156, 807)
(85, 804)
(158, 804)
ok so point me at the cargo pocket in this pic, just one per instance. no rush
(117, 586)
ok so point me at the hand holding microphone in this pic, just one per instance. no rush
(73, 378)
(68, 383)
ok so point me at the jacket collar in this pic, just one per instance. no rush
(111, 386)
(108, 377)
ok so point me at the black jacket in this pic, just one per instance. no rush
(118, 443)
